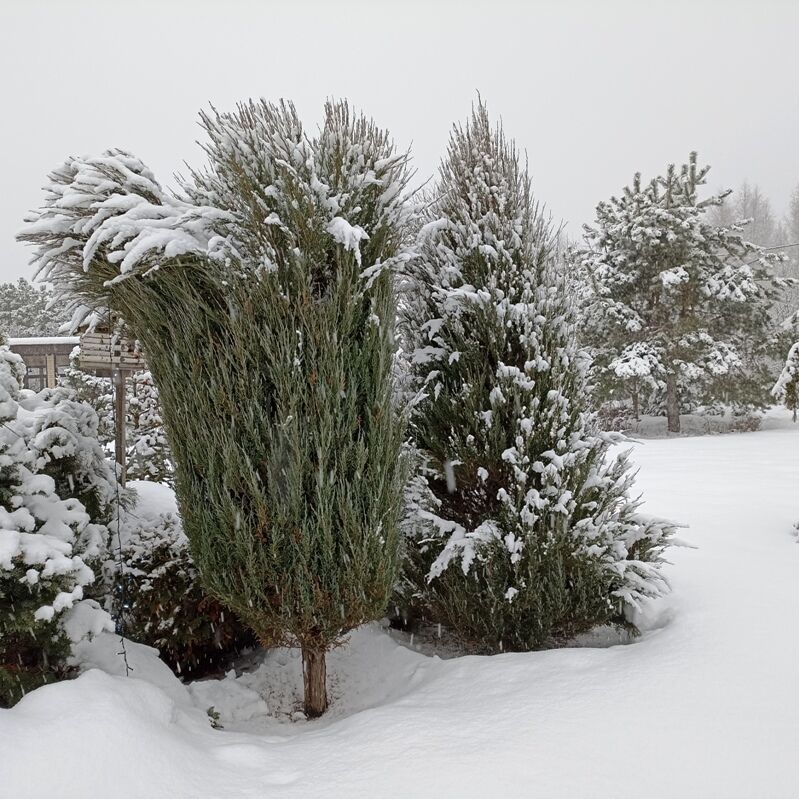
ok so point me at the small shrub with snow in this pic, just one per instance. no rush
(61, 433)
(53, 493)
(524, 534)
(160, 601)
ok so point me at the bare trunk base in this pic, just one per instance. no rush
(672, 404)
(314, 675)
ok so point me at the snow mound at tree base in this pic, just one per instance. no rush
(368, 670)
(103, 735)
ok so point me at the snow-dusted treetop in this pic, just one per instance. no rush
(105, 218)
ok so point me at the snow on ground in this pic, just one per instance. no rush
(702, 424)
(703, 704)
(155, 497)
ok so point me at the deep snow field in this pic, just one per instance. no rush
(704, 704)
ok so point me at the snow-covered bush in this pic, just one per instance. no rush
(53, 491)
(158, 596)
(524, 534)
(61, 433)
(616, 415)
(97, 391)
(786, 389)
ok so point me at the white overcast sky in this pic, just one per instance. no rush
(594, 91)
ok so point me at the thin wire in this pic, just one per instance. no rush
(120, 621)
(8, 427)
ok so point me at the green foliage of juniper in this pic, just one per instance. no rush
(264, 301)
(524, 534)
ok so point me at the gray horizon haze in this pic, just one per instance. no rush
(593, 92)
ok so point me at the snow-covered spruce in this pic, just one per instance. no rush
(523, 534)
(55, 488)
(786, 389)
(93, 389)
(149, 456)
(679, 308)
(264, 300)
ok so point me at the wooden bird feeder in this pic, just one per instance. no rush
(109, 354)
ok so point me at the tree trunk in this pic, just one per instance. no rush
(672, 404)
(314, 675)
(636, 404)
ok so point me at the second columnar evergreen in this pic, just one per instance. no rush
(524, 534)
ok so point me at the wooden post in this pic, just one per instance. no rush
(120, 445)
(52, 374)
(105, 353)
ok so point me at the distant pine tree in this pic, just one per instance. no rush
(28, 310)
(694, 297)
(520, 533)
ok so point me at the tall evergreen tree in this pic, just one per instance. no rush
(521, 533)
(695, 296)
(264, 300)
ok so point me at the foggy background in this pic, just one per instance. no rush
(593, 91)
